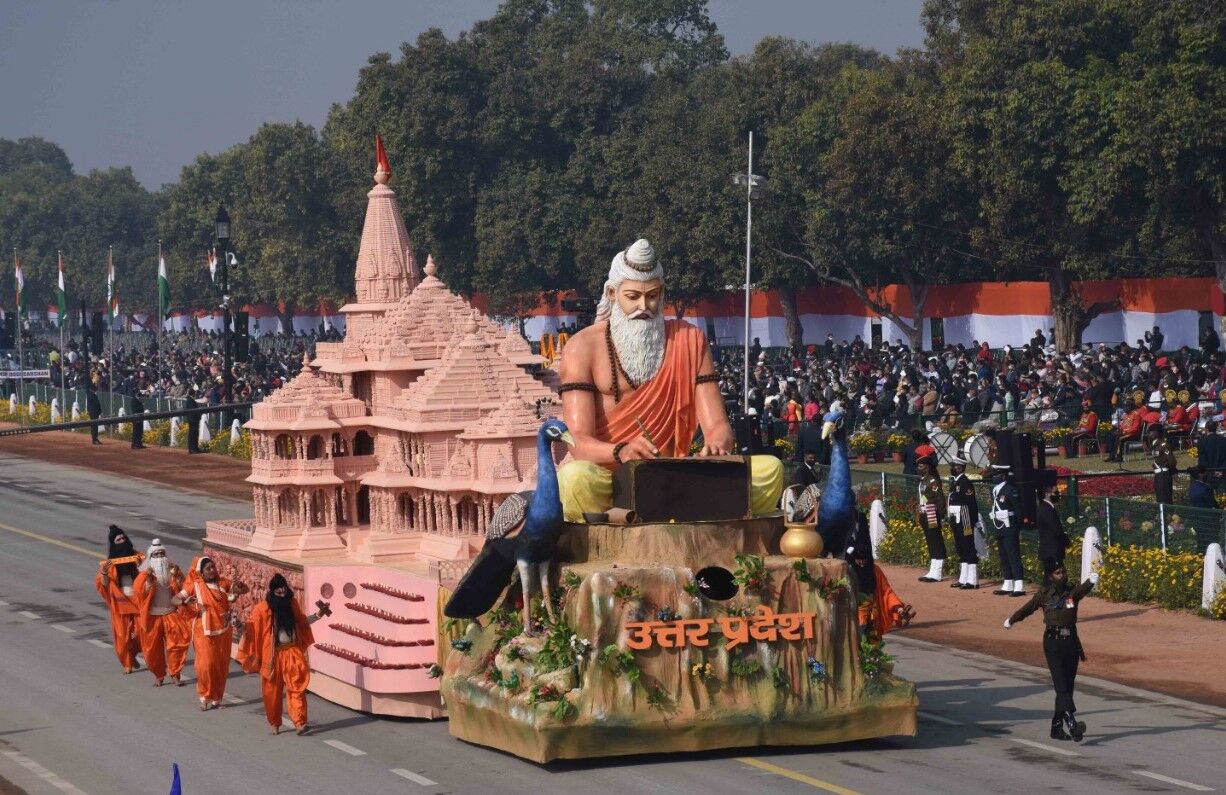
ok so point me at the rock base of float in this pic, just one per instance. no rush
(577, 690)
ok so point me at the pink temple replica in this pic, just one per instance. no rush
(376, 470)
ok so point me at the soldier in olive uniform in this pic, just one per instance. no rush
(963, 514)
(931, 507)
(1061, 646)
(1164, 464)
(1007, 524)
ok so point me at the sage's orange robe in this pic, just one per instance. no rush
(212, 635)
(163, 638)
(665, 403)
(124, 613)
(282, 666)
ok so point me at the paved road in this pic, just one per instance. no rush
(70, 721)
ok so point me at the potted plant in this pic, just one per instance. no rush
(1058, 438)
(862, 444)
(896, 443)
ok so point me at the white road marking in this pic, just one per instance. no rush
(43, 773)
(1042, 747)
(938, 719)
(414, 777)
(29, 615)
(3, 603)
(64, 629)
(102, 644)
(1176, 781)
(349, 749)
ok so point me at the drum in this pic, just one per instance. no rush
(945, 445)
(975, 450)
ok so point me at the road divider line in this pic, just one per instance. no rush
(795, 776)
(54, 541)
(414, 777)
(1051, 749)
(29, 615)
(1176, 781)
(43, 773)
(939, 719)
(346, 747)
(64, 629)
(102, 644)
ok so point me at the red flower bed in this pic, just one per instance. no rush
(1109, 486)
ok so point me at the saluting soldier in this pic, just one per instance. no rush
(1005, 502)
(1164, 464)
(963, 514)
(931, 506)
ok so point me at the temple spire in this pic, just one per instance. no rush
(386, 269)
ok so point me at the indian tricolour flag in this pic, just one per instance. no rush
(112, 289)
(163, 286)
(21, 286)
(61, 294)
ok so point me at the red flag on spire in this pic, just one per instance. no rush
(381, 163)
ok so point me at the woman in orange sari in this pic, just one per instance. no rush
(210, 597)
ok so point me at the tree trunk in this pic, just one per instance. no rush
(915, 336)
(1070, 315)
(787, 301)
(286, 313)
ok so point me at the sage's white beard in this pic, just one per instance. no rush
(639, 343)
(160, 568)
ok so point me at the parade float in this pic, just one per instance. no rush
(384, 470)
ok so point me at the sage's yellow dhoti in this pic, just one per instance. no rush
(588, 488)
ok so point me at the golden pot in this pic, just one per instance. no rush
(800, 540)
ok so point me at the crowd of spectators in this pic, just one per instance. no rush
(893, 386)
(178, 365)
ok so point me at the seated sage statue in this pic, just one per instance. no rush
(636, 386)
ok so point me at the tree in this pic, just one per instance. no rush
(1019, 75)
(867, 165)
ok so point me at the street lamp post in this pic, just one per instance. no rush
(754, 185)
(222, 233)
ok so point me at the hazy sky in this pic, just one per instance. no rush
(153, 83)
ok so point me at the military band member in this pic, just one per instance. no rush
(1061, 646)
(931, 507)
(1007, 524)
(1164, 465)
(963, 514)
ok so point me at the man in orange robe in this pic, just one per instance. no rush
(274, 643)
(165, 632)
(636, 386)
(114, 583)
(210, 598)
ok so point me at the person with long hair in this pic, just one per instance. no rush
(210, 598)
(114, 583)
(274, 642)
(1061, 646)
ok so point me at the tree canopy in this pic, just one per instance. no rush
(1040, 139)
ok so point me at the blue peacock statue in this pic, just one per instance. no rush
(836, 518)
(522, 533)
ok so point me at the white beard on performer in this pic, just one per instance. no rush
(160, 568)
(639, 343)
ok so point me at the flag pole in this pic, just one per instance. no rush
(59, 256)
(110, 325)
(21, 358)
(157, 333)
